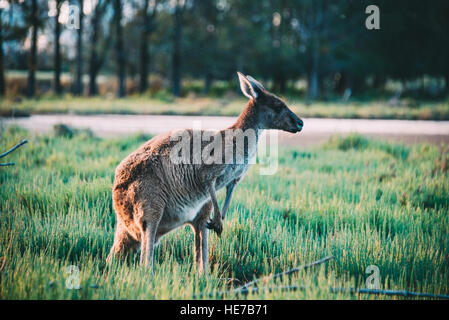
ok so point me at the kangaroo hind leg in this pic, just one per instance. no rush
(201, 233)
(123, 242)
(151, 216)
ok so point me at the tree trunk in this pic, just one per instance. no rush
(119, 48)
(79, 54)
(446, 78)
(176, 54)
(341, 83)
(282, 84)
(379, 82)
(207, 82)
(356, 84)
(2, 67)
(93, 68)
(144, 55)
(57, 65)
(313, 89)
(32, 61)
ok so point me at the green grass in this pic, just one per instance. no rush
(165, 104)
(365, 202)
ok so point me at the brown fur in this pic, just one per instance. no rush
(153, 196)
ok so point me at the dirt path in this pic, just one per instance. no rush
(315, 130)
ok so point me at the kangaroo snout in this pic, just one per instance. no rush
(300, 124)
(295, 123)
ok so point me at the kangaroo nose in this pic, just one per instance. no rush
(300, 124)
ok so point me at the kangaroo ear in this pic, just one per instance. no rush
(247, 88)
(255, 83)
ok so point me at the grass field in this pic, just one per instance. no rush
(365, 202)
(231, 106)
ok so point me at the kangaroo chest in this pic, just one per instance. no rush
(236, 170)
(231, 173)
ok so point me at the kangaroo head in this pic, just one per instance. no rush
(272, 112)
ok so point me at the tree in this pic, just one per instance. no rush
(96, 57)
(282, 64)
(205, 13)
(179, 6)
(32, 60)
(10, 30)
(324, 42)
(79, 52)
(34, 18)
(57, 52)
(314, 25)
(148, 14)
(2, 65)
(119, 53)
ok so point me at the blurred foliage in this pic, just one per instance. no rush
(324, 42)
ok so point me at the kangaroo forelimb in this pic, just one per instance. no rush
(229, 192)
(216, 223)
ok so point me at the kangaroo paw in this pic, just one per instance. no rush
(216, 226)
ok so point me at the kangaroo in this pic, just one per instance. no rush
(152, 195)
